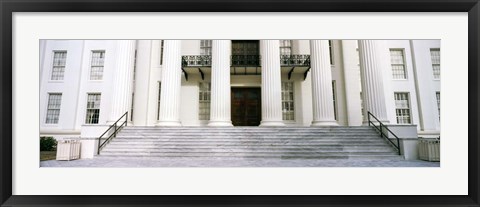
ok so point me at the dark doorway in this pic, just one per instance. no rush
(246, 106)
(245, 47)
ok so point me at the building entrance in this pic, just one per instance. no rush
(246, 106)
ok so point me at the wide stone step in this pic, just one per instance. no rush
(255, 153)
(187, 147)
(250, 150)
(233, 158)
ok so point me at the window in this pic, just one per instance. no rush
(334, 100)
(206, 47)
(58, 70)
(204, 101)
(161, 53)
(398, 64)
(53, 108)
(288, 109)
(402, 108)
(98, 58)
(330, 49)
(93, 108)
(158, 100)
(435, 54)
(438, 104)
(286, 47)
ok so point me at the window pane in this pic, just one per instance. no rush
(58, 69)
(435, 55)
(398, 64)
(93, 108)
(53, 108)
(98, 59)
(402, 106)
(204, 101)
(287, 101)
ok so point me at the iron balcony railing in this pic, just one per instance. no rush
(295, 60)
(197, 61)
(245, 60)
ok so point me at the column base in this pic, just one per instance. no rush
(220, 124)
(324, 123)
(168, 123)
(271, 123)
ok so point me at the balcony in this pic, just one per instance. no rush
(245, 64)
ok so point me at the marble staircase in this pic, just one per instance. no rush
(251, 142)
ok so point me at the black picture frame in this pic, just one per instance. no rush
(9, 6)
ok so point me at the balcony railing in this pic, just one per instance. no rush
(245, 60)
(196, 60)
(295, 60)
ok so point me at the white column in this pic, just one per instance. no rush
(171, 84)
(373, 92)
(220, 93)
(142, 82)
(322, 94)
(271, 83)
(123, 79)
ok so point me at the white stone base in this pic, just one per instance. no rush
(169, 123)
(220, 123)
(324, 123)
(271, 123)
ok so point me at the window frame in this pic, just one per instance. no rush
(285, 113)
(281, 46)
(204, 116)
(409, 108)
(203, 47)
(91, 65)
(87, 109)
(53, 66)
(48, 108)
(405, 71)
(439, 64)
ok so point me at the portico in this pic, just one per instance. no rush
(232, 58)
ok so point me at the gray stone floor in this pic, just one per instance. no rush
(233, 162)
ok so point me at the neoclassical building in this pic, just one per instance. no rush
(221, 83)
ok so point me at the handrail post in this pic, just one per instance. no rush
(398, 143)
(126, 118)
(115, 130)
(368, 117)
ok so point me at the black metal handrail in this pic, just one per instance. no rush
(382, 134)
(114, 134)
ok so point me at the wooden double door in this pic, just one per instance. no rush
(246, 106)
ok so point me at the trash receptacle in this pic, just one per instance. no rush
(429, 149)
(68, 150)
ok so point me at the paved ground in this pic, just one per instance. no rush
(231, 162)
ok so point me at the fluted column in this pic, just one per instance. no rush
(171, 84)
(220, 92)
(372, 79)
(122, 79)
(271, 83)
(322, 94)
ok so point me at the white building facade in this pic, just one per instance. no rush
(221, 83)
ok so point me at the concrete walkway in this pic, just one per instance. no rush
(233, 162)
